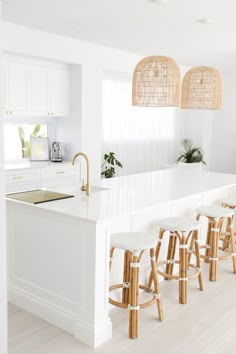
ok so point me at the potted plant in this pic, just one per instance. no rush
(191, 156)
(109, 165)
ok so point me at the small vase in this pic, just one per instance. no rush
(25, 153)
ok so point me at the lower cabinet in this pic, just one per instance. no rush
(45, 177)
(60, 176)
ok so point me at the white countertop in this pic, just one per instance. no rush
(128, 194)
(33, 164)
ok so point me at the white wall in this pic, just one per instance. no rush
(215, 131)
(198, 127)
(3, 280)
(223, 147)
(68, 129)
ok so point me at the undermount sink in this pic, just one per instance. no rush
(98, 189)
(77, 191)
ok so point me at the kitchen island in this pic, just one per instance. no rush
(59, 251)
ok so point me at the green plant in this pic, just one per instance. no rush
(109, 165)
(25, 143)
(191, 153)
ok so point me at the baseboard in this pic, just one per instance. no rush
(85, 332)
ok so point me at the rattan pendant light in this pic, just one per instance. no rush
(156, 82)
(202, 88)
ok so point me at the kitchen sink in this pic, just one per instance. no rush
(75, 190)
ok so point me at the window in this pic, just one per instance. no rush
(122, 121)
(143, 138)
(17, 138)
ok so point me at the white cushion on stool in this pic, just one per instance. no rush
(180, 224)
(215, 211)
(133, 241)
(230, 202)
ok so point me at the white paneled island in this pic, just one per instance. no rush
(59, 251)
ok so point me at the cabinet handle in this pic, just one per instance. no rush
(60, 172)
(18, 177)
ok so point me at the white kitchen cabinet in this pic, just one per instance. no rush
(59, 176)
(22, 179)
(34, 87)
(16, 88)
(62, 175)
(59, 91)
(38, 90)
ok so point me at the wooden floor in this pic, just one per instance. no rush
(207, 324)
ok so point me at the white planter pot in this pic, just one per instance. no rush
(195, 166)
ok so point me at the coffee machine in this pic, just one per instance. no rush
(56, 152)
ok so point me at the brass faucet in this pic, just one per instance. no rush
(87, 187)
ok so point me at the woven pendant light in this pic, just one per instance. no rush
(202, 88)
(156, 82)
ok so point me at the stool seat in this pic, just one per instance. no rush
(215, 211)
(178, 224)
(133, 241)
(230, 202)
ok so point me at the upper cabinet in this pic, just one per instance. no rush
(59, 92)
(16, 88)
(35, 88)
(38, 90)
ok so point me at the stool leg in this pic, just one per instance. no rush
(198, 259)
(156, 283)
(183, 269)
(208, 243)
(126, 278)
(171, 254)
(227, 239)
(191, 248)
(233, 245)
(111, 256)
(214, 240)
(161, 233)
(134, 297)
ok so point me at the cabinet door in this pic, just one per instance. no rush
(16, 88)
(59, 90)
(38, 90)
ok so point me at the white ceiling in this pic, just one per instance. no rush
(139, 26)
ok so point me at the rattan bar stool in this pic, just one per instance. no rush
(134, 244)
(225, 235)
(185, 231)
(216, 216)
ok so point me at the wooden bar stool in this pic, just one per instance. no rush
(216, 216)
(134, 244)
(185, 231)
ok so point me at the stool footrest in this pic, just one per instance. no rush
(228, 255)
(148, 290)
(176, 277)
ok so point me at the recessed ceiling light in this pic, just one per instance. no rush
(205, 20)
(160, 2)
(76, 24)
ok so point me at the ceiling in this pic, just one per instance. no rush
(139, 26)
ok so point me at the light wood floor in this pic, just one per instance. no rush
(207, 324)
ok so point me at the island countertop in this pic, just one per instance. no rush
(128, 194)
